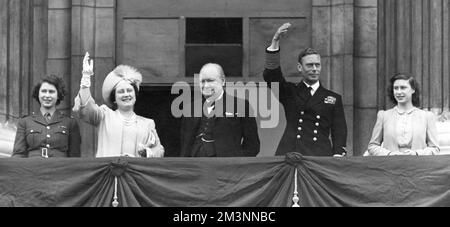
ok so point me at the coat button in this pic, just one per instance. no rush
(48, 136)
(318, 117)
(301, 120)
(315, 132)
(48, 127)
(64, 132)
(299, 137)
(48, 145)
(315, 139)
(31, 131)
(317, 124)
(302, 113)
(299, 128)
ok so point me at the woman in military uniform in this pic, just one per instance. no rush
(47, 133)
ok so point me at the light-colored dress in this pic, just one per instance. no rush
(118, 136)
(397, 131)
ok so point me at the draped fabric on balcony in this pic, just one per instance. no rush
(235, 182)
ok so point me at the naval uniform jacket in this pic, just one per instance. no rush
(235, 134)
(310, 120)
(35, 137)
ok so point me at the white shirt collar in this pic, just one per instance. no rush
(314, 86)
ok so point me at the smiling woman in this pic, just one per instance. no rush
(120, 131)
(47, 132)
(404, 129)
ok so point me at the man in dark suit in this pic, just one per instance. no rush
(219, 131)
(312, 112)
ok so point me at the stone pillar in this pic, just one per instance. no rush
(58, 53)
(414, 38)
(365, 71)
(3, 60)
(40, 43)
(15, 54)
(333, 38)
(93, 31)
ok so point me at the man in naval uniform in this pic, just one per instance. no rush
(218, 132)
(312, 112)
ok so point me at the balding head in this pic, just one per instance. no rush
(213, 69)
(212, 80)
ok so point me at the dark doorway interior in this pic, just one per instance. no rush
(155, 102)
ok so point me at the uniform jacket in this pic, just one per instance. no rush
(61, 136)
(310, 122)
(235, 133)
(424, 140)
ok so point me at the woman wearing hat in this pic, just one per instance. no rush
(120, 131)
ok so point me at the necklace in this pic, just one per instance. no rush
(129, 120)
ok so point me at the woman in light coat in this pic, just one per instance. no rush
(404, 129)
(120, 131)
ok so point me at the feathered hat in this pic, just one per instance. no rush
(120, 73)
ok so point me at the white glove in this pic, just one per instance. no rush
(88, 71)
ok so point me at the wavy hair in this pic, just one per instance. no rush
(412, 82)
(55, 81)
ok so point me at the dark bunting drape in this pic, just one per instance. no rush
(375, 181)
(236, 182)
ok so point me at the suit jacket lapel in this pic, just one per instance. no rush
(57, 117)
(220, 106)
(302, 93)
(39, 118)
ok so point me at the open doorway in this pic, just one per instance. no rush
(155, 102)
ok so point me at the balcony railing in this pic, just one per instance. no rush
(288, 181)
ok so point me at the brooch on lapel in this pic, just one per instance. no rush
(330, 100)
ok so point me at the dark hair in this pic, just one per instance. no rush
(112, 96)
(307, 51)
(412, 82)
(55, 81)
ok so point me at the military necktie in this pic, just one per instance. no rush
(48, 117)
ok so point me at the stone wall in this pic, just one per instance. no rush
(363, 43)
(366, 73)
(333, 37)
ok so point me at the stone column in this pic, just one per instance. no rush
(333, 38)
(15, 57)
(365, 71)
(93, 31)
(414, 38)
(58, 49)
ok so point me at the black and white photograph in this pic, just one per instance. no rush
(249, 104)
